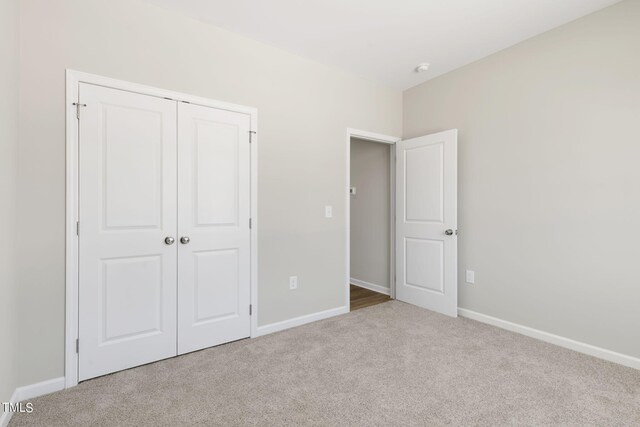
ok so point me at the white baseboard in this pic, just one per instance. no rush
(299, 321)
(31, 392)
(371, 286)
(580, 347)
(40, 389)
(5, 417)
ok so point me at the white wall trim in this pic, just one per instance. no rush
(372, 136)
(39, 389)
(254, 222)
(71, 255)
(73, 79)
(5, 417)
(299, 321)
(371, 286)
(580, 347)
(31, 392)
(375, 137)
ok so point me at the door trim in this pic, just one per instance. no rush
(385, 139)
(73, 80)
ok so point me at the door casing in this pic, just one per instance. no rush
(73, 79)
(391, 141)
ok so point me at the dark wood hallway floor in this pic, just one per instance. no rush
(361, 298)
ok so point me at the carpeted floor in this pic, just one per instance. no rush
(391, 364)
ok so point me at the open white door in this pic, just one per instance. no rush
(426, 222)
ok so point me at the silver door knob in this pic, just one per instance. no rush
(448, 232)
(169, 240)
(184, 240)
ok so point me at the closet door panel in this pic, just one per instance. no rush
(213, 224)
(127, 207)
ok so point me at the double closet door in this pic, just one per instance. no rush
(164, 233)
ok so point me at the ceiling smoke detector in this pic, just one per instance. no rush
(421, 68)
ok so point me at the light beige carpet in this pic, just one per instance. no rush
(391, 364)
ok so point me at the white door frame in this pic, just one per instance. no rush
(73, 79)
(385, 139)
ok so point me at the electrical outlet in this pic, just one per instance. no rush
(328, 211)
(470, 276)
(293, 282)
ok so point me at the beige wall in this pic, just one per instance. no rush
(304, 111)
(8, 186)
(370, 245)
(549, 183)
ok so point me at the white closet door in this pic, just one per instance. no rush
(426, 222)
(127, 207)
(213, 214)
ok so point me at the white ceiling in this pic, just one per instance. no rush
(384, 40)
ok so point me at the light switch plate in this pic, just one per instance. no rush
(470, 276)
(293, 282)
(328, 211)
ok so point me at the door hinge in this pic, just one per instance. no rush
(77, 228)
(77, 345)
(78, 105)
(250, 309)
(251, 133)
(249, 223)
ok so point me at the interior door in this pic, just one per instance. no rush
(127, 208)
(426, 222)
(213, 223)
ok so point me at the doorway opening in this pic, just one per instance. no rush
(371, 219)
